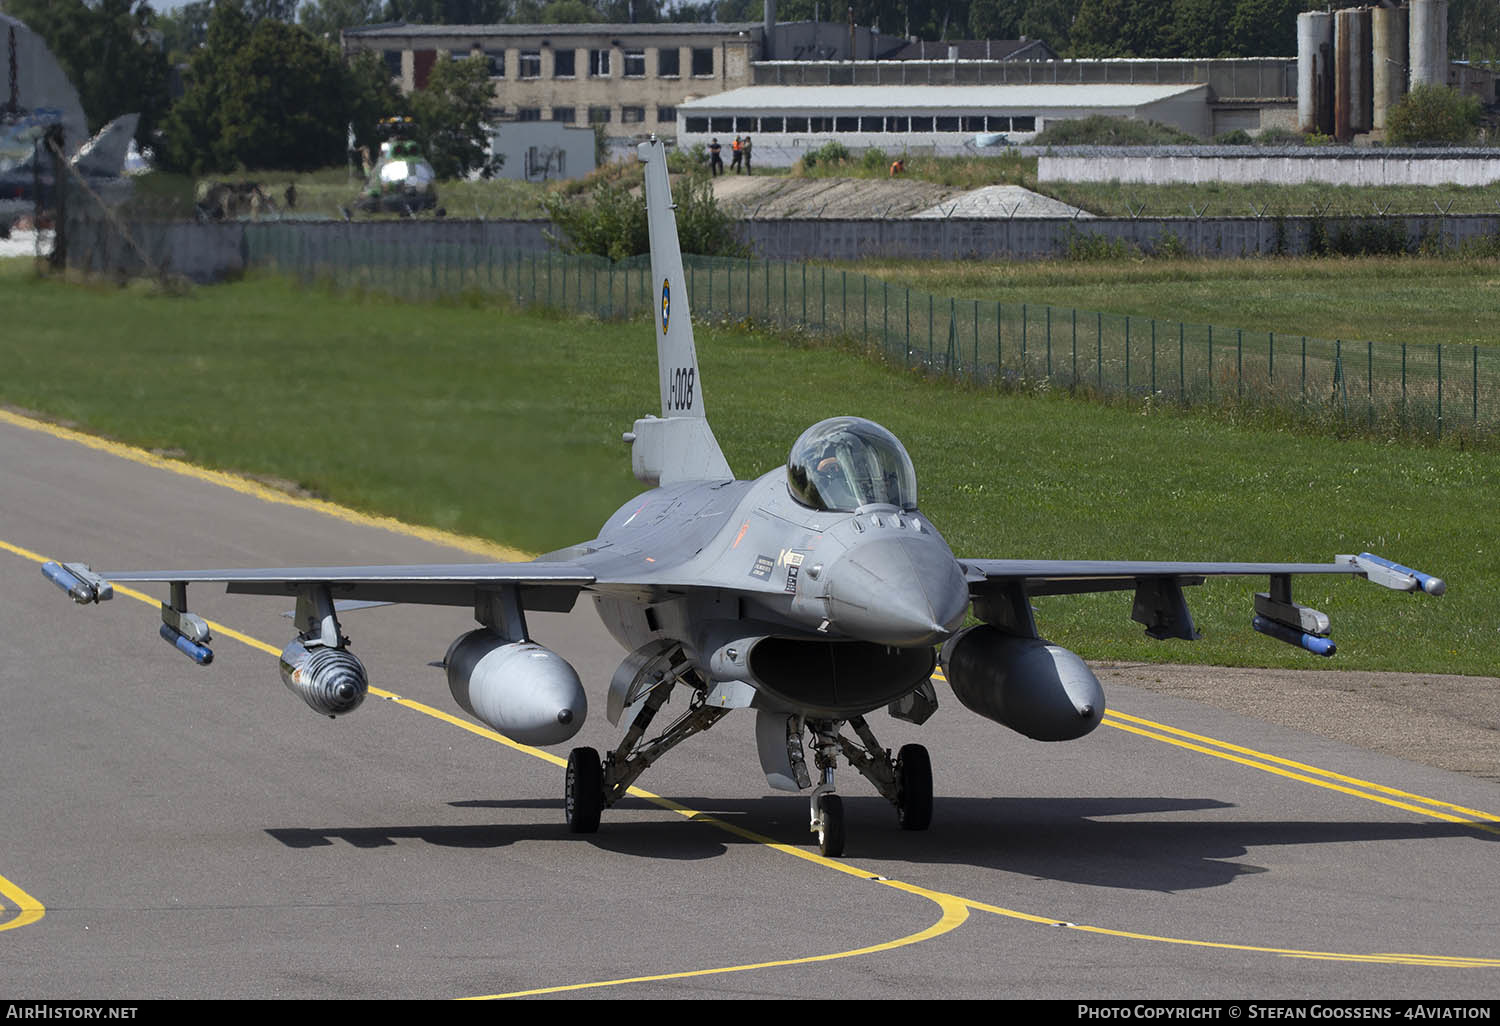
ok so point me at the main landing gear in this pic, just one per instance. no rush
(592, 786)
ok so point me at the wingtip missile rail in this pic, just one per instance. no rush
(1394, 575)
(82, 584)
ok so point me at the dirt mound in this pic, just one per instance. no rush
(778, 196)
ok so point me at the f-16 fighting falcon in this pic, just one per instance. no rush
(809, 596)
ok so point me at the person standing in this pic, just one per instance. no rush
(745, 149)
(715, 162)
(734, 163)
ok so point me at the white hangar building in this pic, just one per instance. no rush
(785, 121)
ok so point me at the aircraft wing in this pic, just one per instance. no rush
(542, 586)
(1003, 587)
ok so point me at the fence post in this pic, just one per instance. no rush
(1210, 363)
(1073, 381)
(1099, 349)
(1153, 356)
(1304, 369)
(1475, 392)
(1370, 381)
(1049, 343)
(1025, 330)
(1182, 363)
(1239, 363)
(1440, 390)
(1127, 353)
(1271, 360)
(929, 332)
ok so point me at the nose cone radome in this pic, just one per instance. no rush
(905, 592)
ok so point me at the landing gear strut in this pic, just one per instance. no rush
(592, 786)
(906, 780)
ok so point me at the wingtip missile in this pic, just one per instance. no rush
(1395, 576)
(82, 584)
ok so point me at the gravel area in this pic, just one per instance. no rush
(1440, 720)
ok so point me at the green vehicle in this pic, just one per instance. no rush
(402, 181)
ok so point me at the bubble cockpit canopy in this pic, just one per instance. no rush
(844, 463)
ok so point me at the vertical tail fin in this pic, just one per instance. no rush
(679, 446)
(103, 156)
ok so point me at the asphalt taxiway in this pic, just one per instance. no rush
(179, 831)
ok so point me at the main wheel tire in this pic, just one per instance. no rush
(914, 788)
(831, 826)
(584, 795)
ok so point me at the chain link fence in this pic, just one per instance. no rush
(1384, 388)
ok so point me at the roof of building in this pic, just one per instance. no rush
(936, 97)
(973, 50)
(661, 28)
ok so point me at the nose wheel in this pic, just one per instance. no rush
(830, 826)
(584, 795)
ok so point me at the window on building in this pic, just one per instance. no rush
(921, 124)
(635, 63)
(846, 124)
(721, 124)
(562, 64)
(820, 124)
(528, 113)
(392, 60)
(668, 62)
(531, 64)
(999, 122)
(1025, 123)
(567, 114)
(600, 115)
(598, 63)
(696, 124)
(632, 115)
(545, 161)
(947, 124)
(666, 115)
(496, 61)
(773, 124)
(795, 125)
(744, 124)
(872, 124)
(703, 62)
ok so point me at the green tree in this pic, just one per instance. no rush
(450, 115)
(613, 221)
(1120, 28)
(1264, 28)
(327, 18)
(1199, 28)
(268, 94)
(1050, 21)
(283, 102)
(184, 30)
(995, 19)
(107, 50)
(1434, 114)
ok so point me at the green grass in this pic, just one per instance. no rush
(1227, 199)
(1397, 299)
(323, 194)
(506, 424)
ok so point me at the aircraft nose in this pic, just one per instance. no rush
(904, 591)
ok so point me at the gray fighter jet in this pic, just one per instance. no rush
(812, 595)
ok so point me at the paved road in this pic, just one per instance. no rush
(198, 832)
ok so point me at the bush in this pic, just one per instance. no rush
(874, 160)
(1434, 114)
(1101, 130)
(613, 221)
(828, 153)
(1235, 137)
(1279, 136)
